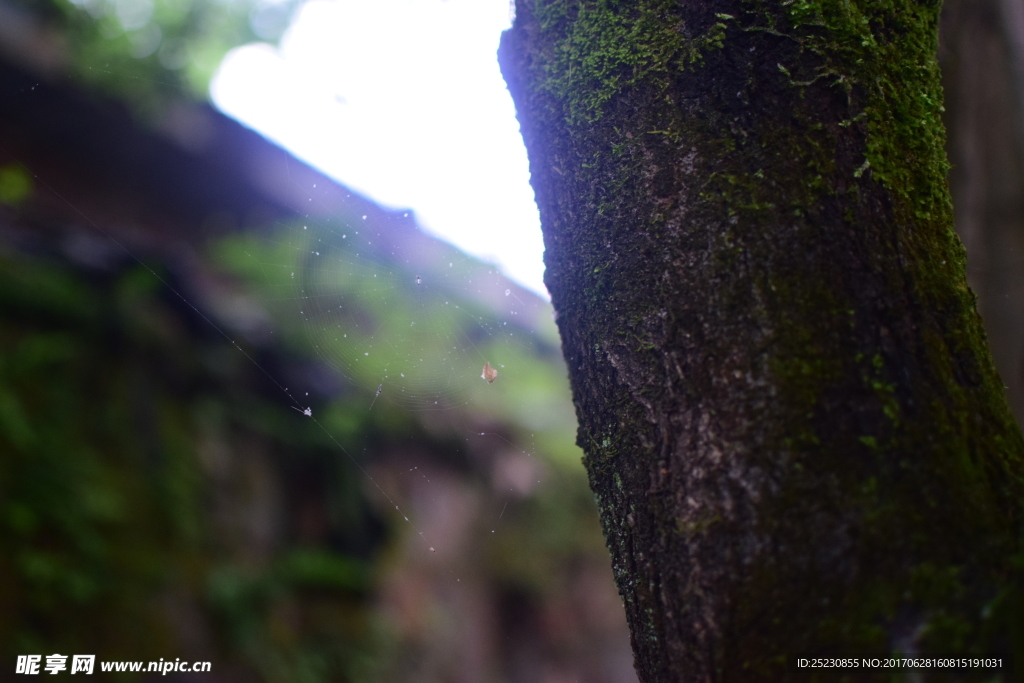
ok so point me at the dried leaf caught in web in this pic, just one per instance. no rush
(489, 373)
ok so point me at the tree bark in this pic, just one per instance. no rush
(790, 418)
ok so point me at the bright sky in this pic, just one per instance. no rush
(403, 101)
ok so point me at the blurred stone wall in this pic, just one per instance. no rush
(159, 498)
(982, 59)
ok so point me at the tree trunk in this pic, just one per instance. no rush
(790, 418)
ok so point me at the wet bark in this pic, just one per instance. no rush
(789, 414)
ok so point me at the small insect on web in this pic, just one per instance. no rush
(489, 373)
(308, 412)
(379, 388)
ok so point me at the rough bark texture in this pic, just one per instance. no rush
(790, 418)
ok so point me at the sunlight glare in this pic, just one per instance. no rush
(403, 101)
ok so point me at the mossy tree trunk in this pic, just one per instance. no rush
(790, 418)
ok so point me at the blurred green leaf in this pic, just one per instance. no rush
(15, 185)
(323, 569)
(146, 51)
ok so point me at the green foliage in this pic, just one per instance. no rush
(150, 51)
(116, 422)
(127, 434)
(107, 408)
(533, 398)
(15, 185)
(253, 609)
(545, 534)
(72, 516)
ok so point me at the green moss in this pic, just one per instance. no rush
(610, 46)
(817, 211)
(105, 410)
(887, 50)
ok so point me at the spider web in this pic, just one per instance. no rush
(390, 308)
